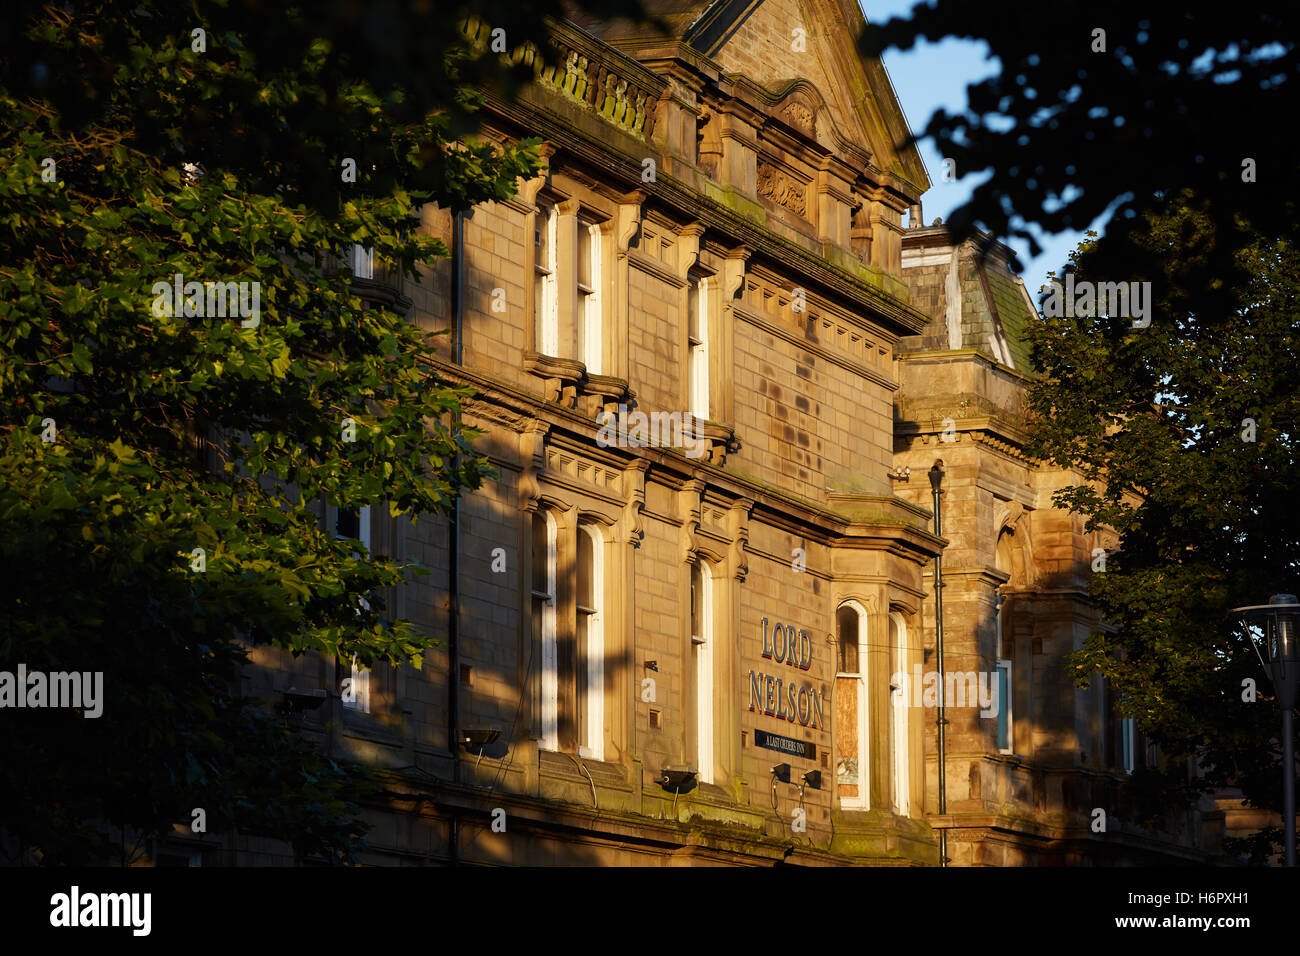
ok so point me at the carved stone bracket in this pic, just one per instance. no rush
(688, 506)
(1011, 515)
(733, 271)
(738, 524)
(628, 220)
(529, 188)
(634, 490)
(688, 246)
(532, 457)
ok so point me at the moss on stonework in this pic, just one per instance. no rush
(737, 203)
(881, 514)
(849, 482)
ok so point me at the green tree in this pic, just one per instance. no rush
(133, 432)
(1109, 105)
(1184, 434)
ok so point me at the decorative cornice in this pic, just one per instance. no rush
(617, 164)
(779, 508)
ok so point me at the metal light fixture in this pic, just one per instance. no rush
(295, 701)
(936, 476)
(478, 739)
(1281, 621)
(680, 780)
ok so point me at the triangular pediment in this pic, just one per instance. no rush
(759, 40)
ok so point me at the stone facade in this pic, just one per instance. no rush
(635, 635)
(1015, 575)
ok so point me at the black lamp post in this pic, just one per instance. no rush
(1281, 618)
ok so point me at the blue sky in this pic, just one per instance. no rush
(931, 75)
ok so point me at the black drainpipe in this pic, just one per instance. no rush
(936, 483)
(453, 559)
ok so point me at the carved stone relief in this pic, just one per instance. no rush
(782, 189)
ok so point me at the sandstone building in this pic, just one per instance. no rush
(701, 344)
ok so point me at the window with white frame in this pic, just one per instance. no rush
(353, 523)
(900, 762)
(591, 643)
(544, 547)
(1119, 734)
(355, 689)
(1128, 744)
(362, 261)
(697, 339)
(702, 648)
(1006, 740)
(852, 764)
(546, 313)
(589, 299)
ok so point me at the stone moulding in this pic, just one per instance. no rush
(568, 379)
(563, 377)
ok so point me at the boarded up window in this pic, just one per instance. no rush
(848, 703)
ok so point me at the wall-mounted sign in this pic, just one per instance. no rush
(785, 745)
(788, 645)
(769, 694)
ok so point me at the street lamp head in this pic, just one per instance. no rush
(1281, 620)
(936, 476)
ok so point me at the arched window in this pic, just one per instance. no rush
(544, 535)
(852, 765)
(900, 762)
(702, 648)
(591, 643)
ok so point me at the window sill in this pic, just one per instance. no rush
(562, 377)
(566, 380)
(369, 726)
(567, 766)
(608, 391)
(721, 440)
